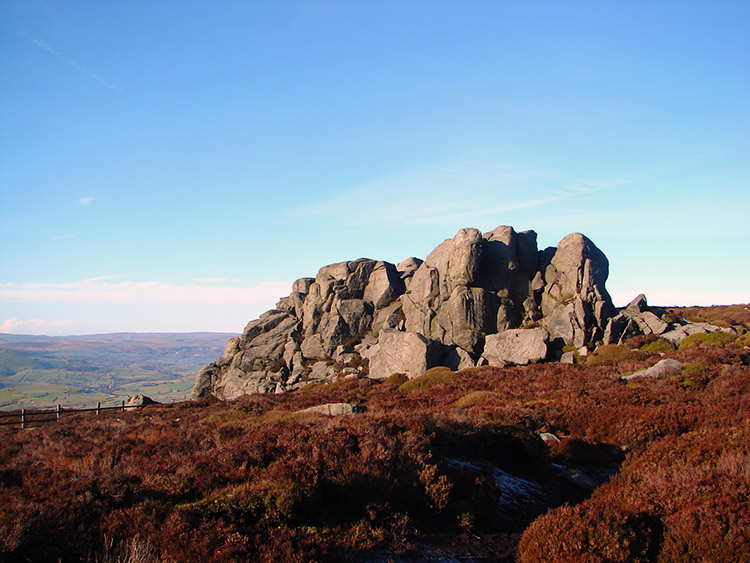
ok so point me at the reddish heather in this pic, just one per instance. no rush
(416, 474)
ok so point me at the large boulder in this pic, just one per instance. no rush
(575, 276)
(422, 299)
(516, 347)
(409, 353)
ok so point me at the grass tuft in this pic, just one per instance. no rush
(433, 376)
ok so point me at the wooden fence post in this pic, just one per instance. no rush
(23, 418)
(123, 406)
(58, 412)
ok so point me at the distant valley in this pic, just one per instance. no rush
(79, 371)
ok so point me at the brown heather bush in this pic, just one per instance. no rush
(248, 480)
(640, 340)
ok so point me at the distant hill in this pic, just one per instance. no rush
(76, 371)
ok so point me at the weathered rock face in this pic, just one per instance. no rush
(634, 320)
(575, 305)
(461, 304)
(517, 347)
(409, 353)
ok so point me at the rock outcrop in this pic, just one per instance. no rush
(639, 319)
(477, 298)
(634, 320)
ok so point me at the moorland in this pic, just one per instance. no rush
(545, 462)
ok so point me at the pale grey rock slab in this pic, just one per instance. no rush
(384, 285)
(410, 353)
(333, 409)
(321, 370)
(667, 366)
(568, 358)
(516, 347)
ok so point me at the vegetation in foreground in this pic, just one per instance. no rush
(445, 466)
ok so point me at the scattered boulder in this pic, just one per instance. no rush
(637, 319)
(138, 401)
(334, 409)
(667, 366)
(682, 330)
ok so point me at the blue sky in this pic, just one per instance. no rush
(174, 166)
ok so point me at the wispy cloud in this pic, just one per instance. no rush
(103, 291)
(465, 192)
(75, 64)
(15, 325)
(85, 201)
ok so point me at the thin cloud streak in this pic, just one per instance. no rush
(75, 64)
(99, 291)
(459, 194)
(85, 201)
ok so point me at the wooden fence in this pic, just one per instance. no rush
(25, 417)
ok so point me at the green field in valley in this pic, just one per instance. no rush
(79, 372)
